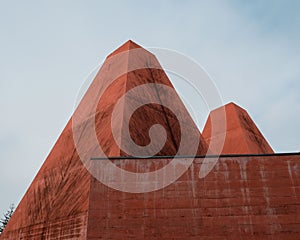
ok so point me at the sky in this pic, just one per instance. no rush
(251, 50)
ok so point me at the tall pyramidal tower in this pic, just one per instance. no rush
(62, 201)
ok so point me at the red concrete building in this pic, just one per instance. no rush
(251, 193)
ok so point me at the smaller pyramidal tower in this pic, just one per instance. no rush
(241, 135)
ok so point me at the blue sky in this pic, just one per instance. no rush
(47, 48)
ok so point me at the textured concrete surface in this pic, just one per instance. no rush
(56, 204)
(242, 198)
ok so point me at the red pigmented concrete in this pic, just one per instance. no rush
(241, 198)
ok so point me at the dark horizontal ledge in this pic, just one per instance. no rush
(197, 156)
